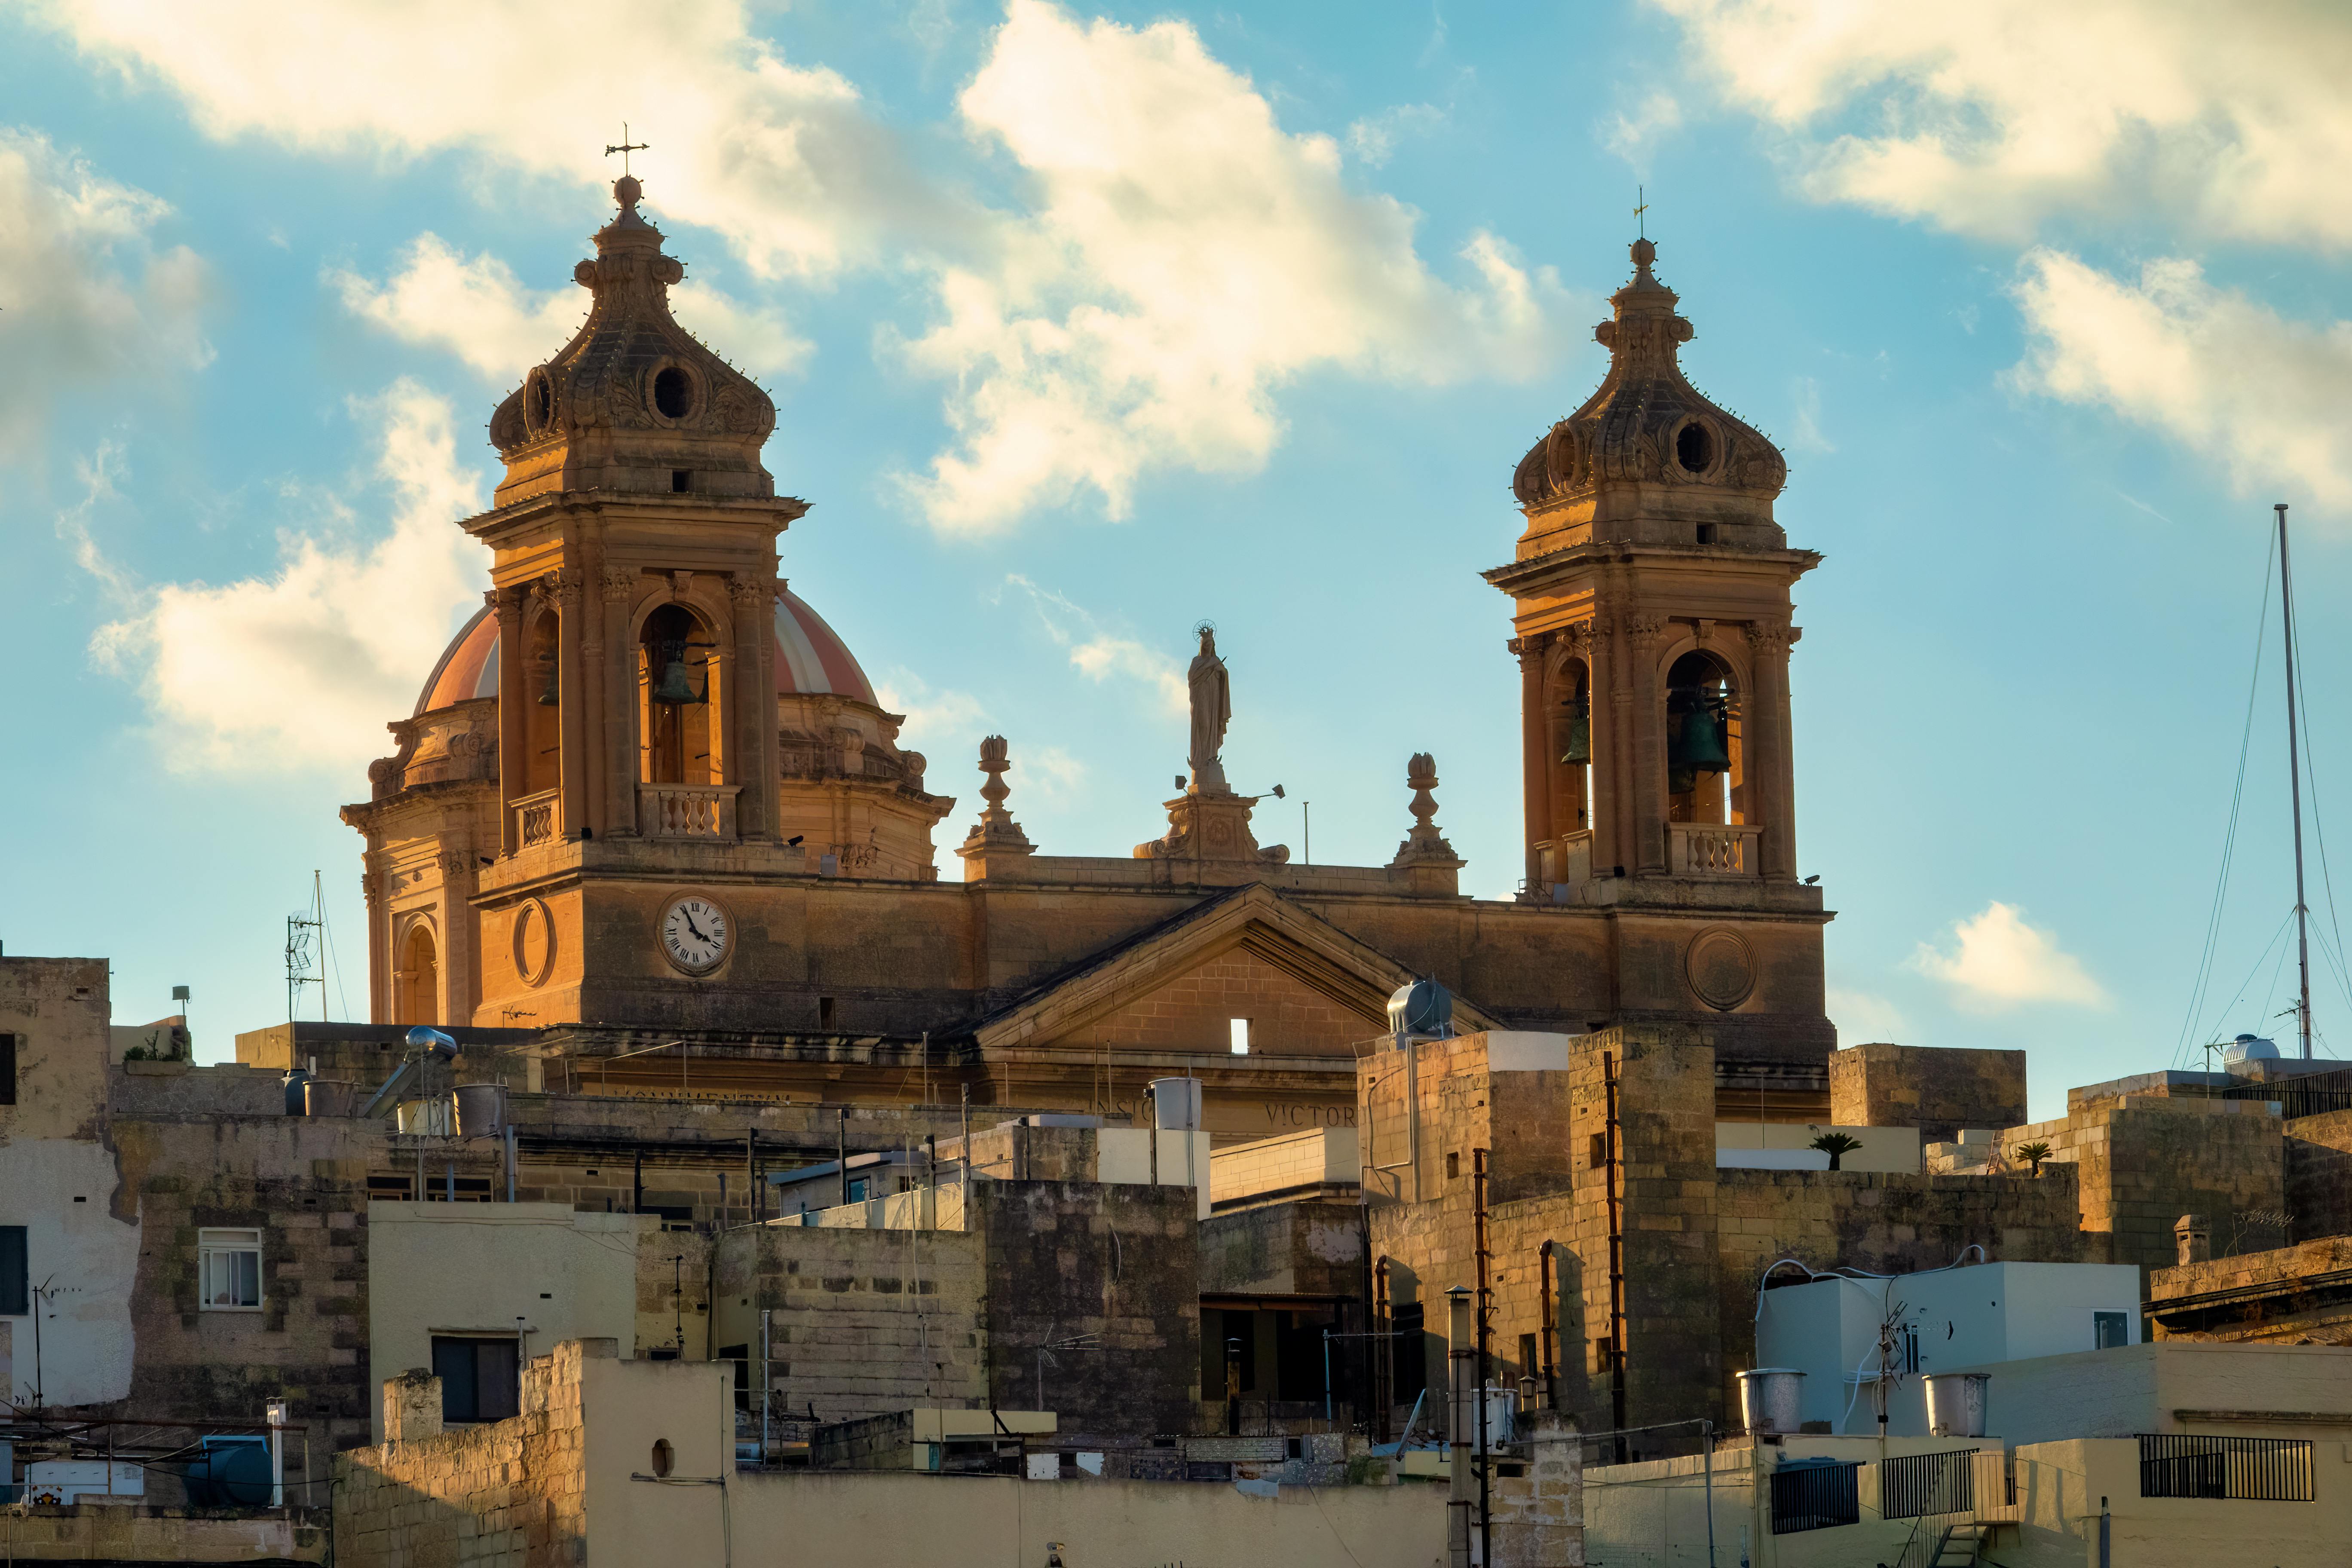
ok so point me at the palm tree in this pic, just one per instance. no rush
(1836, 1145)
(2032, 1154)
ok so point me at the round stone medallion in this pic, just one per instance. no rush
(1721, 968)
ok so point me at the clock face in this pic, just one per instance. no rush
(695, 934)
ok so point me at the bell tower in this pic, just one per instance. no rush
(1651, 596)
(635, 571)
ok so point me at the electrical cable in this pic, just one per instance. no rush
(2199, 987)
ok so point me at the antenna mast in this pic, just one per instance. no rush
(2294, 796)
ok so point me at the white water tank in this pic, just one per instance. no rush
(1769, 1397)
(1956, 1404)
(1176, 1104)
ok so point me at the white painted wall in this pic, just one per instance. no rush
(86, 1254)
(474, 1268)
(1961, 1318)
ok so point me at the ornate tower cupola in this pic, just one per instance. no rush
(633, 402)
(1651, 605)
(1648, 457)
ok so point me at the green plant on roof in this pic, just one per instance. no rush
(2032, 1154)
(1836, 1145)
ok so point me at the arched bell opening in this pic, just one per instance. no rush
(1570, 703)
(542, 723)
(680, 690)
(416, 982)
(1705, 779)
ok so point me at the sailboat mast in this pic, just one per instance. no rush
(2294, 796)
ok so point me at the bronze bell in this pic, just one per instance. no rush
(673, 687)
(1578, 748)
(1699, 748)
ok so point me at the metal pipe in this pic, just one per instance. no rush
(1461, 1358)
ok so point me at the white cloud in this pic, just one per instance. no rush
(301, 668)
(85, 294)
(2210, 368)
(784, 159)
(1373, 139)
(1987, 117)
(1634, 136)
(1862, 1016)
(1999, 961)
(1185, 258)
(1100, 654)
(475, 307)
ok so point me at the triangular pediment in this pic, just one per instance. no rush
(1309, 987)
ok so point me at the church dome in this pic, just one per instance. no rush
(1646, 431)
(811, 660)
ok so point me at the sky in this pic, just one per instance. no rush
(1086, 324)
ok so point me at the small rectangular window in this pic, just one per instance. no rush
(228, 1270)
(478, 1379)
(7, 1069)
(678, 478)
(2110, 1331)
(1238, 1029)
(15, 1277)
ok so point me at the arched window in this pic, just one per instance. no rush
(542, 691)
(1571, 749)
(417, 984)
(1703, 740)
(679, 692)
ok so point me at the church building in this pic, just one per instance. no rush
(649, 807)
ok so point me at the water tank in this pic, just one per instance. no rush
(1424, 1007)
(427, 1118)
(1768, 1398)
(232, 1472)
(2249, 1048)
(1176, 1104)
(1956, 1404)
(297, 1103)
(329, 1097)
(481, 1109)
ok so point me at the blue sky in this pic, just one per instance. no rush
(1085, 323)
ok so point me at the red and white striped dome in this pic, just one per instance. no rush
(810, 659)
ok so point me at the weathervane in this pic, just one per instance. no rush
(1639, 195)
(625, 147)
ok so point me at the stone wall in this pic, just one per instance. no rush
(2318, 1176)
(507, 1495)
(1937, 1091)
(1119, 1264)
(862, 1323)
(1307, 1248)
(2146, 1160)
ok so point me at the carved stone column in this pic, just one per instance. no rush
(1775, 768)
(565, 589)
(1643, 636)
(1534, 720)
(619, 704)
(507, 603)
(593, 770)
(751, 707)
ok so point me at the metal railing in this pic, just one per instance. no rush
(2255, 1469)
(2315, 1094)
(1921, 1484)
(1815, 1497)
